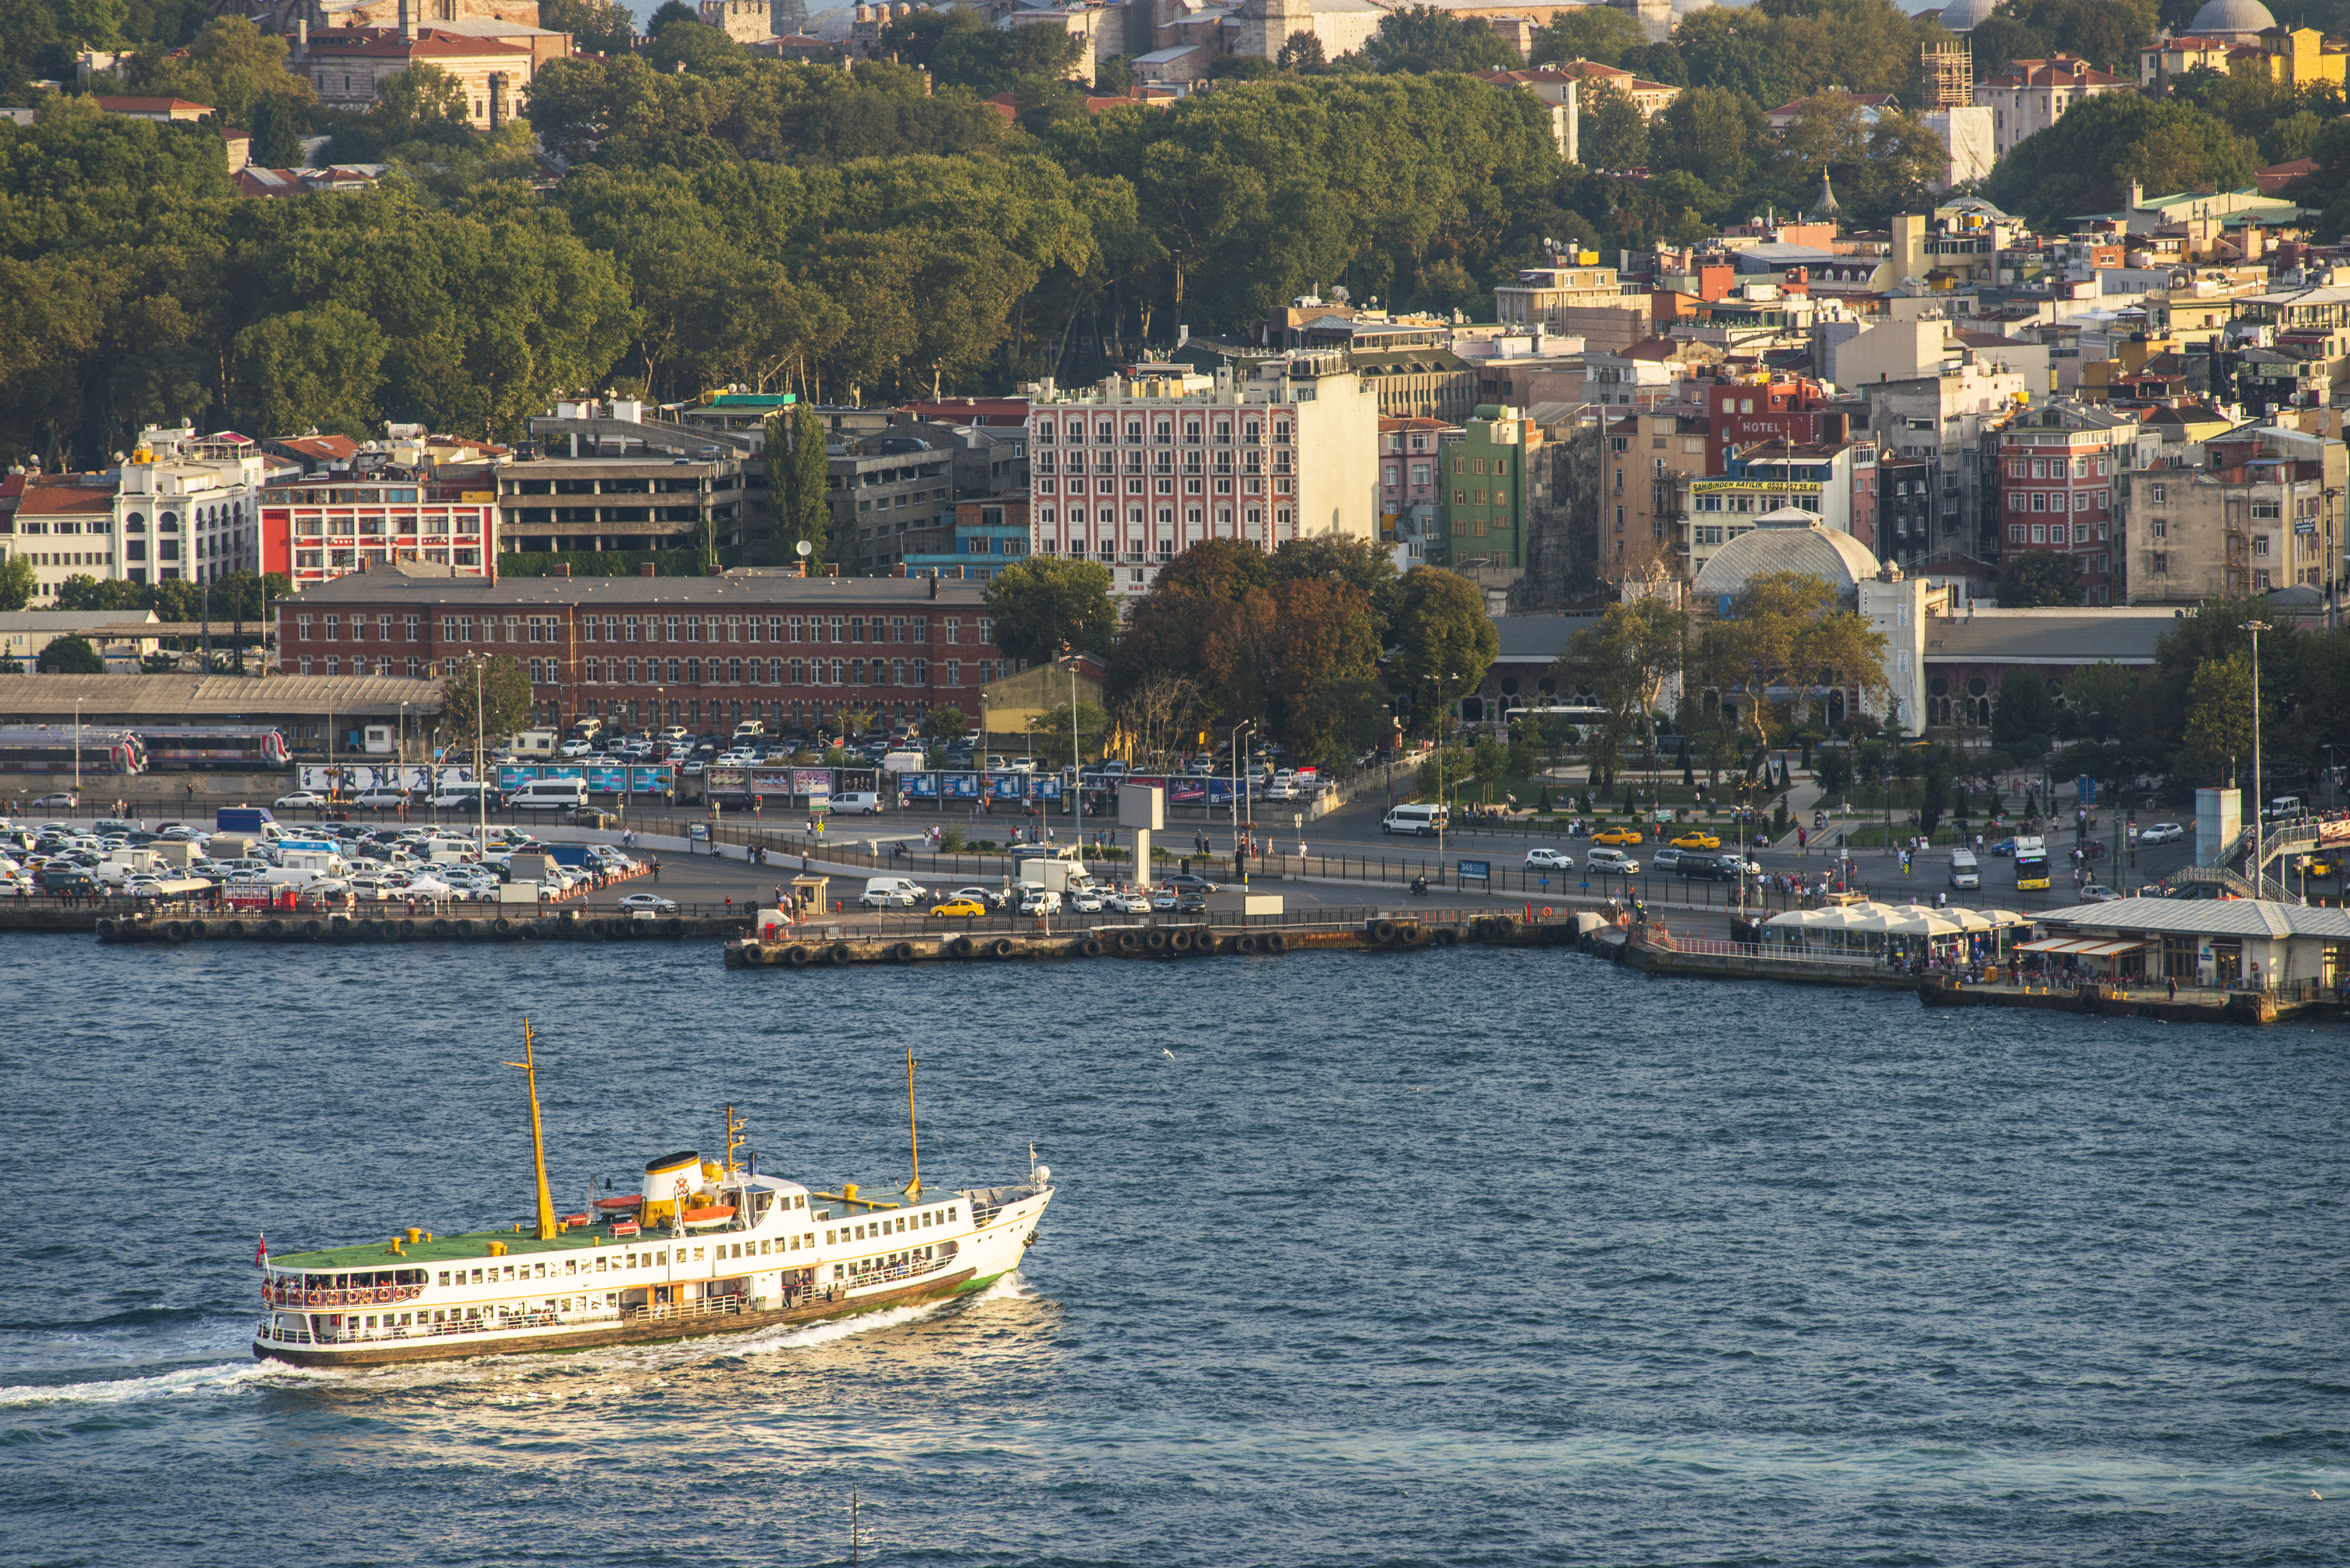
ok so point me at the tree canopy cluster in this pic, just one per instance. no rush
(1321, 643)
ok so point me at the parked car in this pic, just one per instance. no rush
(1550, 859)
(1127, 903)
(1185, 882)
(301, 799)
(60, 800)
(1040, 901)
(652, 903)
(381, 799)
(988, 897)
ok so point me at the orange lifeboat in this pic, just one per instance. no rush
(716, 1214)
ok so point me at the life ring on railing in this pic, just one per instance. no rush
(1546, 911)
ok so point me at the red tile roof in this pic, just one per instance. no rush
(45, 497)
(151, 105)
(385, 43)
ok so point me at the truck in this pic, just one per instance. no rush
(534, 743)
(252, 820)
(1062, 871)
(575, 854)
(120, 864)
(316, 862)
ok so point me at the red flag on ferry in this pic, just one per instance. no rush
(261, 1253)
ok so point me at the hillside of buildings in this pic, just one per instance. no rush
(1984, 312)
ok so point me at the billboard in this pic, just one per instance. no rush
(353, 778)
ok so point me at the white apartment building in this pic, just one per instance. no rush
(182, 508)
(2029, 95)
(1141, 466)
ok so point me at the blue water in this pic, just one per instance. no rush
(1462, 1257)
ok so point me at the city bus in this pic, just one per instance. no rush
(2031, 865)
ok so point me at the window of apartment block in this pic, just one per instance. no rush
(800, 628)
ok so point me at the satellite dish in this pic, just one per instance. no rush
(804, 549)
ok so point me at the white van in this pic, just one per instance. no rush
(1613, 862)
(1966, 871)
(890, 893)
(539, 794)
(750, 729)
(1414, 819)
(857, 803)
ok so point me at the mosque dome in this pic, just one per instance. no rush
(1965, 15)
(2233, 16)
(1787, 540)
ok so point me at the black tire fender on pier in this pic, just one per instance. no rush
(440, 928)
(314, 930)
(174, 932)
(274, 929)
(233, 931)
(105, 927)
(797, 956)
(1178, 941)
(1090, 947)
(1156, 941)
(1000, 948)
(960, 946)
(837, 954)
(1383, 931)
(1275, 943)
(672, 927)
(1447, 937)
(503, 926)
(1129, 941)
(902, 953)
(1244, 945)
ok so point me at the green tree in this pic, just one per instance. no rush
(2022, 716)
(2219, 715)
(1786, 627)
(2038, 580)
(670, 14)
(1049, 731)
(1301, 52)
(1042, 604)
(1422, 38)
(1628, 660)
(1934, 791)
(504, 708)
(1612, 133)
(1713, 134)
(2099, 693)
(232, 68)
(1445, 641)
(2084, 162)
(1598, 33)
(309, 368)
(946, 724)
(17, 581)
(599, 27)
(71, 655)
(277, 135)
(422, 103)
(793, 452)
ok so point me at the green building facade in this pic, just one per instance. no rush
(1488, 479)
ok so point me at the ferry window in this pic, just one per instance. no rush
(793, 1245)
(600, 1262)
(800, 1202)
(860, 1232)
(570, 1266)
(828, 1238)
(444, 1278)
(477, 1276)
(698, 1257)
(661, 1259)
(951, 1210)
(542, 1271)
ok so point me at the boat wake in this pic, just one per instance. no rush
(181, 1382)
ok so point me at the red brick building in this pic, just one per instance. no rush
(2056, 492)
(645, 651)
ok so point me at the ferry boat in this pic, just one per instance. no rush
(706, 1247)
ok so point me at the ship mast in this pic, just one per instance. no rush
(529, 1065)
(913, 1128)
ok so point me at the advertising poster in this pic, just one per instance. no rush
(652, 780)
(606, 778)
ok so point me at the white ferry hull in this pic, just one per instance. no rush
(983, 1257)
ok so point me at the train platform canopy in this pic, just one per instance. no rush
(288, 701)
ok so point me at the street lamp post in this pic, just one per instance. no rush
(2258, 858)
(1249, 724)
(481, 795)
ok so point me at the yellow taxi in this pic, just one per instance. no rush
(1697, 838)
(1620, 835)
(960, 909)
